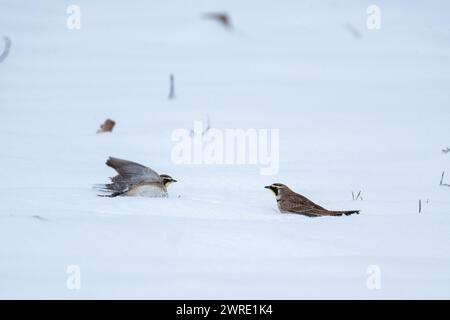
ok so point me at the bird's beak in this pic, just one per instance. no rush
(273, 189)
(173, 180)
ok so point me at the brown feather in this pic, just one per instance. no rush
(291, 202)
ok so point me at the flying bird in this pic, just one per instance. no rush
(135, 180)
(290, 202)
(222, 17)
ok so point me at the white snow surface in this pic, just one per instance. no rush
(369, 113)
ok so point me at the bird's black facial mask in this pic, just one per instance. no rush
(273, 189)
(168, 181)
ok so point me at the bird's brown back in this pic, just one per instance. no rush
(296, 203)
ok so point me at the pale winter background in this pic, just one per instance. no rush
(358, 110)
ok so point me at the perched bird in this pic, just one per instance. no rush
(135, 180)
(107, 126)
(291, 202)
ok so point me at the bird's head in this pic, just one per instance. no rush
(277, 188)
(167, 180)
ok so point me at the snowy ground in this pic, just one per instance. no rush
(369, 113)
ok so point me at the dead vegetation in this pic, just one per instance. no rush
(357, 197)
(421, 206)
(7, 47)
(353, 31)
(442, 183)
(205, 130)
(172, 87)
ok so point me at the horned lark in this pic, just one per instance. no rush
(291, 202)
(107, 126)
(135, 180)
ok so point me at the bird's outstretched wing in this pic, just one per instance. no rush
(132, 172)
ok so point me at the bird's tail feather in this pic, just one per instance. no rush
(347, 213)
(102, 188)
(110, 192)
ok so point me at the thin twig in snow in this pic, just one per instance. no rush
(172, 87)
(442, 180)
(358, 196)
(5, 52)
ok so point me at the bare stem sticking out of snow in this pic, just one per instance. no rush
(207, 127)
(38, 217)
(5, 52)
(172, 87)
(357, 197)
(353, 31)
(442, 180)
